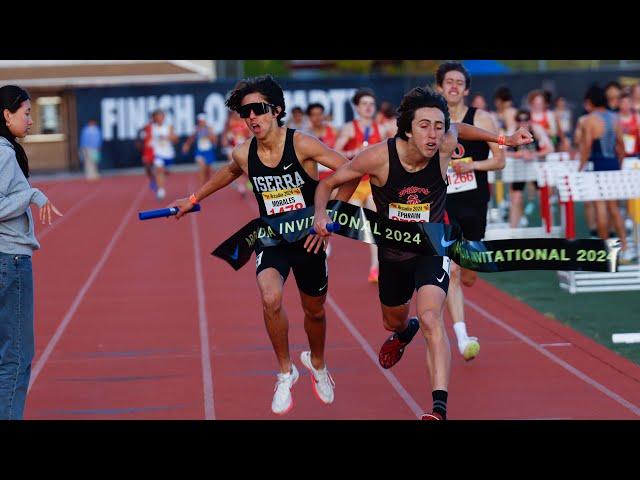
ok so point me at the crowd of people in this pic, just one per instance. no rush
(386, 159)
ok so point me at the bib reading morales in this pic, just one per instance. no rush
(280, 201)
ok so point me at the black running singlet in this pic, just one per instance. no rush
(410, 197)
(477, 151)
(283, 188)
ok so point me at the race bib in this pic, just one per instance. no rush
(629, 143)
(280, 201)
(204, 144)
(462, 182)
(402, 212)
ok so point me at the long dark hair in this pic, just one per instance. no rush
(11, 97)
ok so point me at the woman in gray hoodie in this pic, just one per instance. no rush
(17, 243)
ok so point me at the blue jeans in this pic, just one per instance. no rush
(16, 333)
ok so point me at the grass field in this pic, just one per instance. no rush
(597, 315)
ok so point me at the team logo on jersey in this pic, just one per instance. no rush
(413, 190)
(458, 152)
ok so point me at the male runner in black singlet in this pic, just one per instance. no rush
(468, 191)
(406, 171)
(282, 165)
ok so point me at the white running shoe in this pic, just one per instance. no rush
(282, 399)
(160, 194)
(470, 348)
(321, 380)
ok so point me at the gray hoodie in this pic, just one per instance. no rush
(16, 222)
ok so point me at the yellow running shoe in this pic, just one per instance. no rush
(470, 348)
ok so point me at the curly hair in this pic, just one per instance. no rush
(420, 97)
(447, 67)
(264, 85)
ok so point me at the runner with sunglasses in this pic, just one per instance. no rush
(282, 165)
(408, 171)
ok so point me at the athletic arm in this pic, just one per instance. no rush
(469, 132)
(620, 151)
(497, 161)
(585, 143)
(346, 132)
(172, 135)
(187, 143)
(220, 179)
(545, 144)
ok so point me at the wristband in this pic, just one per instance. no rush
(501, 141)
(192, 199)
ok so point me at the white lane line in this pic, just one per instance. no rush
(625, 338)
(65, 215)
(559, 344)
(408, 399)
(582, 376)
(39, 364)
(207, 375)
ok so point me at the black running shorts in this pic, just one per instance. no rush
(309, 269)
(397, 280)
(472, 219)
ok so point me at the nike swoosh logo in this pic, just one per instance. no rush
(323, 287)
(235, 254)
(288, 166)
(444, 243)
(441, 278)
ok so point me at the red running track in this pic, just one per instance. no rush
(136, 320)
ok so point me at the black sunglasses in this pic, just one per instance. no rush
(258, 108)
(523, 119)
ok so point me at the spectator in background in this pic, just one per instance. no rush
(354, 137)
(602, 144)
(541, 115)
(205, 139)
(322, 130)
(505, 113)
(144, 146)
(478, 101)
(541, 146)
(297, 119)
(630, 125)
(612, 92)
(318, 125)
(90, 146)
(564, 115)
(162, 140)
(589, 208)
(235, 133)
(17, 243)
(635, 97)
(387, 118)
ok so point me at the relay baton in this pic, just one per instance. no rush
(331, 228)
(164, 212)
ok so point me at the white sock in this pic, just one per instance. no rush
(461, 332)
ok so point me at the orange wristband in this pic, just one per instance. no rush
(192, 199)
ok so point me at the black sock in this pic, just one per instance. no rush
(407, 334)
(440, 402)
